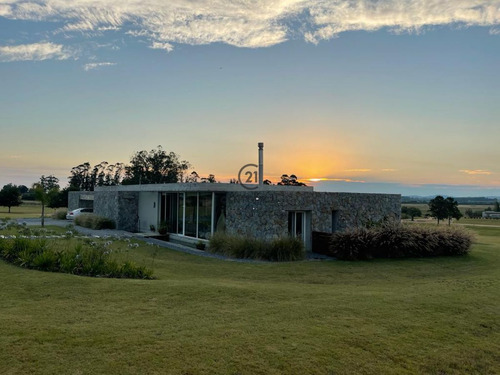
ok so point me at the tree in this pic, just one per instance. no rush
(497, 206)
(438, 209)
(85, 178)
(44, 190)
(412, 212)
(441, 209)
(210, 179)
(452, 208)
(155, 167)
(290, 181)
(10, 196)
(23, 189)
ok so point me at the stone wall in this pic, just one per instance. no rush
(120, 206)
(80, 199)
(265, 214)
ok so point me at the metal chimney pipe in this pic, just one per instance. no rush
(261, 163)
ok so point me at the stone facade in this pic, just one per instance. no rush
(265, 214)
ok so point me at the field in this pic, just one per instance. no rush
(207, 316)
(424, 207)
(29, 209)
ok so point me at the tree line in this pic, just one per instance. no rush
(156, 166)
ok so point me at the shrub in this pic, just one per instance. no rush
(94, 222)
(60, 214)
(86, 260)
(281, 250)
(398, 241)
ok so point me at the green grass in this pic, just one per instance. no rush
(206, 316)
(27, 210)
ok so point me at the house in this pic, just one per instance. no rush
(194, 211)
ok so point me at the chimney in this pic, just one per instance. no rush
(261, 163)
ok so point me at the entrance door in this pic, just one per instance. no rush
(299, 224)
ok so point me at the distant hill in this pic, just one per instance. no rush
(460, 200)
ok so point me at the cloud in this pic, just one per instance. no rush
(35, 52)
(322, 179)
(249, 23)
(476, 172)
(389, 170)
(94, 66)
(358, 170)
(165, 46)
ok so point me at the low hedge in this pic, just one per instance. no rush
(279, 250)
(93, 221)
(399, 241)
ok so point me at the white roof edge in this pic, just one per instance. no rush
(197, 186)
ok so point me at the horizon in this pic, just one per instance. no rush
(361, 96)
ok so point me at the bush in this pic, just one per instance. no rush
(94, 222)
(398, 241)
(281, 250)
(60, 214)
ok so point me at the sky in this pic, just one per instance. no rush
(386, 96)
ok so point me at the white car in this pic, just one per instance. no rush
(72, 214)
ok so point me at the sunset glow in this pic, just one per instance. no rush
(377, 92)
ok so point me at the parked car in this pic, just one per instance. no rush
(72, 214)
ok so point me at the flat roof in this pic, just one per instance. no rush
(202, 186)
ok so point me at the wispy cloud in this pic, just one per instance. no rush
(389, 170)
(358, 170)
(249, 23)
(322, 179)
(476, 172)
(165, 46)
(94, 66)
(35, 52)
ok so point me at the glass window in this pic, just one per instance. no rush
(204, 215)
(180, 214)
(191, 214)
(220, 212)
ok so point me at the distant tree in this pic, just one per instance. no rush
(452, 208)
(23, 189)
(438, 208)
(233, 181)
(210, 179)
(155, 167)
(85, 178)
(10, 196)
(497, 206)
(441, 209)
(267, 182)
(44, 189)
(193, 177)
(290, 181)
(412, 212)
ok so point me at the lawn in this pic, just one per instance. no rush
(28, 209)
(207, 316)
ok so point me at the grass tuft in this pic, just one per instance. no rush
(280, 250)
